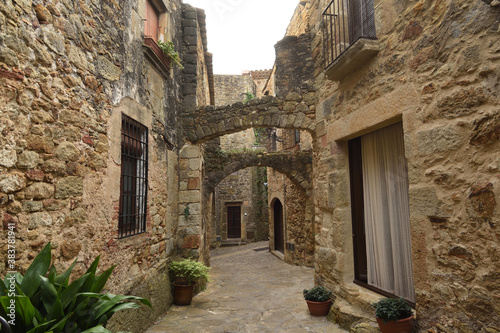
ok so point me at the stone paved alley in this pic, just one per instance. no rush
(251, 291)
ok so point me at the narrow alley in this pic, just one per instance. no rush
(251, 291)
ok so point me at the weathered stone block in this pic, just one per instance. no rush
(77, 58)
(39, 219)
(67, 151)
(72, 117)
(28, 159)
(36, 174)
(39, 191)
(43, 14)
(40, 143)
(107, 69)
(486, 129)
(437, 140)
(425, 202)
(32, 206)
(12, 182)
(481, 202)
(189, 196)
(191, 242)
(461, 103)
(54, 41)
(8, 157)
(8, 57)
(69, 187)
(70, 249)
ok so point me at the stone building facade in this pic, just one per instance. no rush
(430, 68)
(291, 209)
(89, 118)
(410, 103)
(403, 116)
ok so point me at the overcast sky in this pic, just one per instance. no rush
(242, 33)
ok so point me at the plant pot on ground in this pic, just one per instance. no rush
(319, 300)
(186, 274)
(394, 315)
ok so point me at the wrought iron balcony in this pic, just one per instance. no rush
(344, 23)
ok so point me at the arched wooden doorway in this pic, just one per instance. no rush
(278, 226)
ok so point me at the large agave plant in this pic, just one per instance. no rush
(45, 301)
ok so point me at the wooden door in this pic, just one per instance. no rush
(234, 222)
(279, 244)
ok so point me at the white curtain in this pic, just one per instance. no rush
(385, 185)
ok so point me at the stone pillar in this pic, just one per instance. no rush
(294, 65)
(190, 211)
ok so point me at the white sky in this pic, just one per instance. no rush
(242, 33)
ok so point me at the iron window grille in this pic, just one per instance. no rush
(134, 178)
(344, 22)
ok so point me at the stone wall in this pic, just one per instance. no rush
(235, 189)
(437, 72)
(68, 71)
(260, 78)
(230, 89)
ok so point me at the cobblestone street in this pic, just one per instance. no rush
(251, 291)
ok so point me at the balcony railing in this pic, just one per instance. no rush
(344, 22)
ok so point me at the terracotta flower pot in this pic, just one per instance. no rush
(400, 326)
(183, 294)
(319, 308)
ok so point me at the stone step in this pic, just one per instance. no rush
(232, 242)
(352, 318)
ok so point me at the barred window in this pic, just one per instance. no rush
(134, 178)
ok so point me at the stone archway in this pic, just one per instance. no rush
(293, 108)
(295, 111)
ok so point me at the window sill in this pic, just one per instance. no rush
(159, 59)
(352, 59)
(380, 291)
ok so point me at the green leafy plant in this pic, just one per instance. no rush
(45, 301)
(187, 212)
(318, 294)
(169, 49)
(392, 309)
(188, 271)
(259, 135)
(248, 97)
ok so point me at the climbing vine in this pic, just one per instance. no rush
(259, 136)
(248, 97)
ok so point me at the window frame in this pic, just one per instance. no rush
(132, 212)
(150, 8)
(360, 259)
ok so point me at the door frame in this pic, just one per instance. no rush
(278, 236)
(233, 204)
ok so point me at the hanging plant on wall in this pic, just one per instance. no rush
(169, 49)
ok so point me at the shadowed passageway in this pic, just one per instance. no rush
(251, 291)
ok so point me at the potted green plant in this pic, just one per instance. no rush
(169, 49)
(393, 315)
(187, 273)
(319, 300)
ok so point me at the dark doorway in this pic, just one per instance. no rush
(233, 221)
(279, 244)
(357, 211)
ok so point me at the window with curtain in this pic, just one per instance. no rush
(380, 212)
(134, 178)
